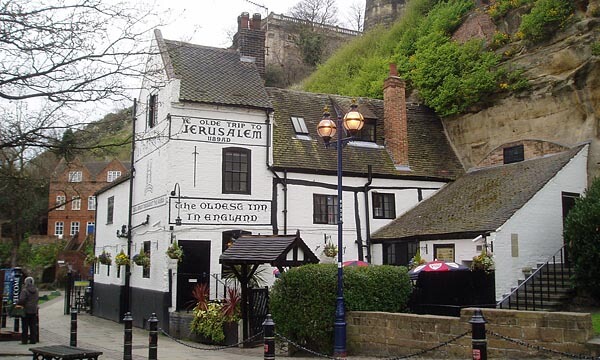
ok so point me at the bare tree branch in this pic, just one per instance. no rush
(320, 12)
(60, 53)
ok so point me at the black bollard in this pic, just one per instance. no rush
(4, 312)
(128, 336)
(269, 333)
(153, 348)
(479, 340)
(16, 324)
(73, 341)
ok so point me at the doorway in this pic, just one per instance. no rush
(194, 269)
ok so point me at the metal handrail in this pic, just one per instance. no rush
(531, 281)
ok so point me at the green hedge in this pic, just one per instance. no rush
(582, 233)
(302, 301)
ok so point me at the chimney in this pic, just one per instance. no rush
(250, 40)
(395, 122)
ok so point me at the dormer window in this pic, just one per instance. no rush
(299, 125)
(75, 176)
(368, 131)
(514, 154)
(112, 175)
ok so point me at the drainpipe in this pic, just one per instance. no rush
(359, 242)
(367, 213)
(278, 180)
(129, 216)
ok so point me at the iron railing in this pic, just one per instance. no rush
(536, 292)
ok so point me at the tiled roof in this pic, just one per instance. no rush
(478, 202)
(213, 75)
(272, 250)
(430, 154)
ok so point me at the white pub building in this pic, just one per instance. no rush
(218, 155)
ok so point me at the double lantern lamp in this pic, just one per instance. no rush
(353, 122)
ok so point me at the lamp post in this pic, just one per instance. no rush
(353, 121)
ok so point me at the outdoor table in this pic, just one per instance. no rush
(57, 352)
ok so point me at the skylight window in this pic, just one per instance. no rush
(299, 125)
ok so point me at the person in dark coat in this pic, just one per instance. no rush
(28, 299)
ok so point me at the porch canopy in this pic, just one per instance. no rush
(248, 252)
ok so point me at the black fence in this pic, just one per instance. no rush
(78, 295)
(446, 293)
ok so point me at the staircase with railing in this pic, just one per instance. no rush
(547, 288)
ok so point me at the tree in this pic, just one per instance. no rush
(318, 12)
(24, 198)
(58, 54)
(356, 18)
(582, 233)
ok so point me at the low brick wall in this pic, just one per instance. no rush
(391, 334)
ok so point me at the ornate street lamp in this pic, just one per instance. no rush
(353, 121)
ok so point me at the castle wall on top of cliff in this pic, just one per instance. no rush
(383, 12)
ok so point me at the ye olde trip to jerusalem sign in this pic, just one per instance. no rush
(204, 211)
(218, 131)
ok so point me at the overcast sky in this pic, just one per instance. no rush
(211, 22)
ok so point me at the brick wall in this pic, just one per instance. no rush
(395, 124)
(250, 40)
(531, 149)
(392, 334)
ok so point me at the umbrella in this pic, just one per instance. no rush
(355, 263)
(437, 266)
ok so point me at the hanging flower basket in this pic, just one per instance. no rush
(483, 262)
(330, 250)
(105, 258)
(122, 259)
(90, 259)
(142, 259)
(175, 252)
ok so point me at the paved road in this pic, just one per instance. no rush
(107, 336)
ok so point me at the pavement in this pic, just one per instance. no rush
(107, 336)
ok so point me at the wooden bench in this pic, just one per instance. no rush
(58, 352)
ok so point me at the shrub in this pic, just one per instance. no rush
(309, 318)
(596, 49)
(545, 18)
(500, 7)
(582, 233)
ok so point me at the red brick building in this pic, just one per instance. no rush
(71, 196)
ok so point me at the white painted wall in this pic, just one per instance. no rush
(106, 234)
(300, 209)
(538, 224)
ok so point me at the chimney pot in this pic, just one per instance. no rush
(255, 25)
(245, 20)
(393, 69)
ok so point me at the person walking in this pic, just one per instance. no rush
(28, 299)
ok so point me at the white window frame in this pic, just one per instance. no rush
(75, 176)
(74, 228)
(299, 125)
(91, 203)
(76, 203)
(112, 175)
(60, 200)
(59, 228)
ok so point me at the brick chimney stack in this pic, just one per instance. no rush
(395, 122)
(250, 40)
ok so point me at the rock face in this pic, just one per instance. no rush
(562, 106)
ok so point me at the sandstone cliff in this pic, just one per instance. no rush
(562, 106)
